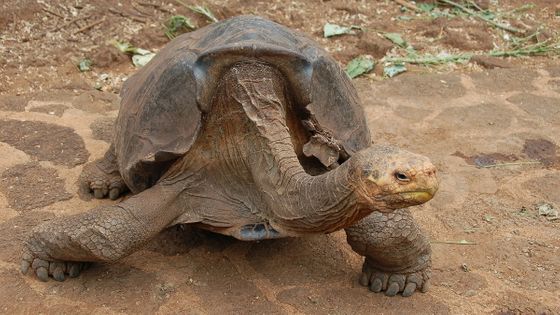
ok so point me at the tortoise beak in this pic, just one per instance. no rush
(413, 197)
(418, 197)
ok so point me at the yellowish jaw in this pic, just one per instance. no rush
(419, 196)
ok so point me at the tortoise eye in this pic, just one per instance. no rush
(401, 177)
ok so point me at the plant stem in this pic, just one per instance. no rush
(461, 242)
(430, 59)
(510, 164)
(487, 20)
(408, 5)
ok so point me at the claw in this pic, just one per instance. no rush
(425, 286)
(393, 289)
(56, 269)
(376, 285)
(42, 274)
(73, 270)
(114, 193)
(364, 279)
(409, 289)
(58, 275)
(400, 280)
(98, 193)
(24, 266)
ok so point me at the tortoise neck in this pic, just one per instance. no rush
(329, 202)
(296, 200)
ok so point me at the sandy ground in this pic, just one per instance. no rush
(493, 135)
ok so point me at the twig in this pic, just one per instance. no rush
(408, 5)
(510, 164)
(53, 13)
(475, 5)
(127, 15)
(148, 4)
(71, 21)
(487, 20)
(461, 242)
(87, 27)
(140, 10)
(155, 5)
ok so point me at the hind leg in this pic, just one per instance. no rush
(101, 178)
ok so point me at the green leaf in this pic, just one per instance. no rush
(124, 47)
(359, 65)
(85, 65)
(178, 23)
(392, 70)
(140, 56)
(204, 11)
(396, 38)
(330, 30)
(426, 7)
(142, 60)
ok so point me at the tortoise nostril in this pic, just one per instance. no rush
(430, 171)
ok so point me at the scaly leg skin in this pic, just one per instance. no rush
(102, 178)
(103, 234)
(397, 253)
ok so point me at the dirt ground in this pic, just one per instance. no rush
(492, 133)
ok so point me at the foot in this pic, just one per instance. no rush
(58, 270)
(100, 183)
(394, 282)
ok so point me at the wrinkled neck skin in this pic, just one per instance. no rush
(298, 201)
(246, 152)
(313, 204)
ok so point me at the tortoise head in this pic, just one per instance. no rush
(388, 178)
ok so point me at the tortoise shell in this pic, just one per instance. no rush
(164, 103)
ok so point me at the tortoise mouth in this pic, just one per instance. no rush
(419, 196)
(408, 198)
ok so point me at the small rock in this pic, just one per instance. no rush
(464, 267)
(488, 218)
(470, 293)
(548, 211)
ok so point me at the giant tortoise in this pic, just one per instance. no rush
(248, 129)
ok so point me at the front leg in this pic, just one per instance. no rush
(106, 233)
(397, 253)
